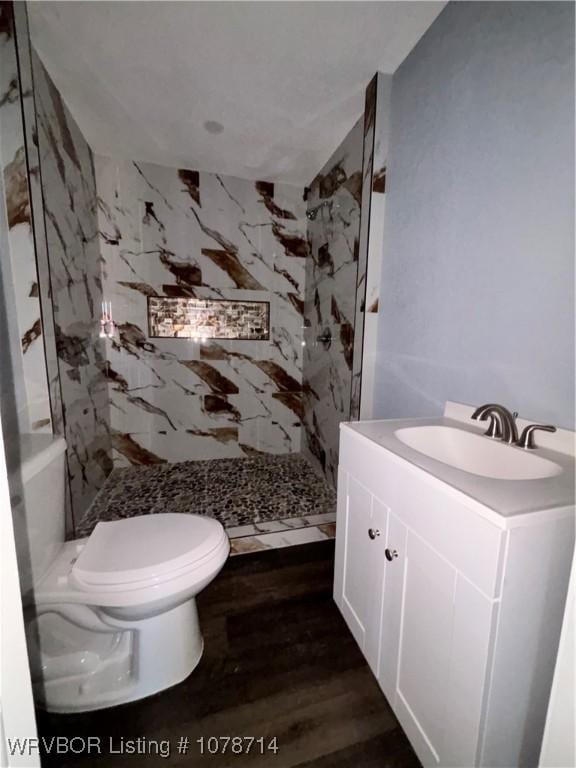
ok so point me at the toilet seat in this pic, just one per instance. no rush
(143, 551)
(188, 565)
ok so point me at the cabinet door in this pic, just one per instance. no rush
(434, 650)
(359, 569)
(392, 607)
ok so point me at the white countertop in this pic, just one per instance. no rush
(505, 497)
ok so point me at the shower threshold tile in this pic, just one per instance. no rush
(290, 538)
(237, 531)
(326, 517)
(276, 526)
(270, 526)
(296, 522)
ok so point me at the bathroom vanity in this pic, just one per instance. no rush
(453, 555)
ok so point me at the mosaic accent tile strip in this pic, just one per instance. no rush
(201, 319)
(252, 493)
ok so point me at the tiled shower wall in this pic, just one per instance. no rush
(75, 279)
(374, 251)
(27, 377)
(26, 82)
(171, 232)
(363, 245)
(330, 304)
(165, 232)
(32, 378)
(342, 279)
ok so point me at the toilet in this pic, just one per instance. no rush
(112, 617)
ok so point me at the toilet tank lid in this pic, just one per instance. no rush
(145, 548)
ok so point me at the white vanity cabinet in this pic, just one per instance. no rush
(458, 616)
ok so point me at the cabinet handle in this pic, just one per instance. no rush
(373, 533)
(390, 554)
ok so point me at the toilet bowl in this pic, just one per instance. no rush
(115, 616)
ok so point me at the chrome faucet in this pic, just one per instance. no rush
(502, 422)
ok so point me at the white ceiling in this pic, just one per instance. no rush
(285, 79)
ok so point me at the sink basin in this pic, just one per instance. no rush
(477, 454)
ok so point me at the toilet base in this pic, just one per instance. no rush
(77, 668)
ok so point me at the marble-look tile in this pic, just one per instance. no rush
(131, 449)
(21, 276)
(292, 522)
(377, 213)
(247, 545)
(342, 279)
(325, 517)
(376, 130)
(331, 299)
(322, 521)
(171, 232)
(25, 69)
(329, 529)
(271, 526)
(69, 200)
(291, 538)
(365, 373)
(238, 531)
(363, 245)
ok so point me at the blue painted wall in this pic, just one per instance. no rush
(477, 295)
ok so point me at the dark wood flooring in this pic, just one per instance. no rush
(278, 661)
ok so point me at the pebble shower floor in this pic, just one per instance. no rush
(264, 502)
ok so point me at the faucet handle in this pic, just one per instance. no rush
(527, 438)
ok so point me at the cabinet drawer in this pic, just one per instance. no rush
(472, 544)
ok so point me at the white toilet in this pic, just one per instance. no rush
(114, 615)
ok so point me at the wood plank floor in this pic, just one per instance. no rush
(279, 662)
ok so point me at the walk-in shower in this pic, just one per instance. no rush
(234, 335)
